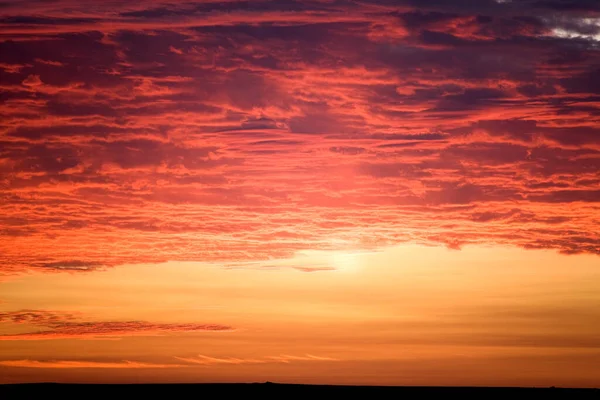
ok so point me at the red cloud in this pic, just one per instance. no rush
(244, 133)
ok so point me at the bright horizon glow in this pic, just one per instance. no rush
(426, 315)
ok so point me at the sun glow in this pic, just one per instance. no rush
(326, 260)
(345, 262)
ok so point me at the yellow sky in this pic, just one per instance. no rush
(407, 315)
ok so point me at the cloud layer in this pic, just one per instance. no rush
(239, 131)
(64, 326)
(188, 362)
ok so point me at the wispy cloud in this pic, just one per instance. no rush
(62, 364)
(187, 362)
(206, 360)
(64, 326)
(285, 358)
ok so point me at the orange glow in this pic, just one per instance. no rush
(404, 315)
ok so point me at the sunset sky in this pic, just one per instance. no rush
(379, 192)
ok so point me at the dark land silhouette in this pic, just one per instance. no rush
(197, 391)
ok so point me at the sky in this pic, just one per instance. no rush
(380, 192)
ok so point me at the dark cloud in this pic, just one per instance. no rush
(471, 98)
(64, 325)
